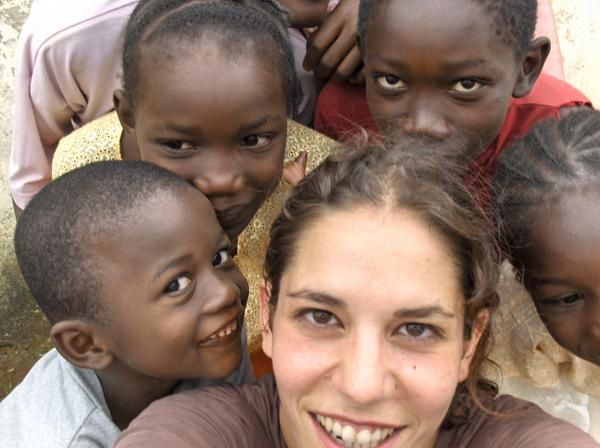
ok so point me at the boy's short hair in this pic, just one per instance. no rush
(514, 20)
(54, 235)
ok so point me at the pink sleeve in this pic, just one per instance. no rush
(66, 73)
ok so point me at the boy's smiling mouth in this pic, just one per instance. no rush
(350, 435)
(225, 334)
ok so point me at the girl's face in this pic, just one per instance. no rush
(561, 271)
(367, 337)
(216, 120)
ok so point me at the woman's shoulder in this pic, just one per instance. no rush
(95, 141)
(220, 416)
(509, 421)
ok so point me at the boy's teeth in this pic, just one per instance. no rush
(346, 435)
(225, 332)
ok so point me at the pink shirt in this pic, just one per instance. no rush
(66, 71)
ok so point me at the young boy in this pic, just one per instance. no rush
(131, 267)
(462, 69)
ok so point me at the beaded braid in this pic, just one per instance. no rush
(556, 156)
(235, 25)
(514, 20)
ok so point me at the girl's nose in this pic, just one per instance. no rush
(219, 175)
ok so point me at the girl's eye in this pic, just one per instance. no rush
(565, 301)
(321, 318)
(221, 258)
(179, 284)
(417, 331)
(466, 85)
(178, 145)
(390, 82)
(255, 141)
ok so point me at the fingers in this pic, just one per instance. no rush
(295, 171)
(349, 66)
(320, 41)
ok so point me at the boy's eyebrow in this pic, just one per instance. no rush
(468, 63)
(416, 312)
(165, 267)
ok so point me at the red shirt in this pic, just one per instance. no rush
(342, 108)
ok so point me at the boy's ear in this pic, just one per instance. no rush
(124, 110)
(265, 318)
(470, 345)
(82, 344)
(531, 66)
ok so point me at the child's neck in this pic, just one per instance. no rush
(128, 393)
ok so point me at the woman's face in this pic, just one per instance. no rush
(367, 336)
(219, 122)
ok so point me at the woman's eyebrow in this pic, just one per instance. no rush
(423, 311)
(319, 297)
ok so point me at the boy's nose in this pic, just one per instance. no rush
(592, 313)
(222, 293)
(364, 376)
(424, 119)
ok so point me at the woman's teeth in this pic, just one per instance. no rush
(346, 435)
(224, 332)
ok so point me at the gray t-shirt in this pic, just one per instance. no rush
(247, 417)
(59, 405)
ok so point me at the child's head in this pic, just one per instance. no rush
(381, 274)
(547, 190)
(448, 68)
(131, 267)
(208, 87)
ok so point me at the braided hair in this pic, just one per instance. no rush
(556, 156)
(238, 27)
(514, 20)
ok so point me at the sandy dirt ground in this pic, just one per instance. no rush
(23, 330)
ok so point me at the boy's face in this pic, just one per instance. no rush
(436, 68)
(172, 294)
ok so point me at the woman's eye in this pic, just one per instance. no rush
(179, 284)
(467, 85)
(178, 145)
(321, 318)
(417, 331)
(255, 141)
(390, 82)
(220, 258)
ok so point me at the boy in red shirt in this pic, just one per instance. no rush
(460, 69)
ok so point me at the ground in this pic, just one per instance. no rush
(23, 329)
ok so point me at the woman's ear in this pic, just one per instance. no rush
(531, 66)
(82, 344)
(265, 318)
(470, 345)
(124, 110)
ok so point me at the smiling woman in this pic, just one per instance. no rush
(380, 283)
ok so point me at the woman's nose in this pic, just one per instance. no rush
(364, 376)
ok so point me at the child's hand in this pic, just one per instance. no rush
(294, 171)
(332, 50)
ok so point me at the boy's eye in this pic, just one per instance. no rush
(389, 82)
(221, 258)
(179, 284)
(321, 318)
(255, 141)
(466, 85)
(178, 145)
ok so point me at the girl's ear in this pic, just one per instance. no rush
(265, 318)
(531, 66)
(124, 111)
(470, 345)
(81, 344)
